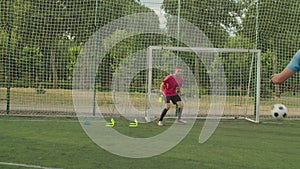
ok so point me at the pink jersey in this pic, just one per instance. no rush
(170, 85)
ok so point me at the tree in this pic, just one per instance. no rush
(53, 27)
(30, 65)
(278, 25)
(277, 32)
(215, 18)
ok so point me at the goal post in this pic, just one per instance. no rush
(239, 83)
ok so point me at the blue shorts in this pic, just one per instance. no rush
(174, 99)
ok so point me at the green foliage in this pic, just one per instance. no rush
(73, 53)
(30, 65)
(40, 90)
(47, 37)
(214, 18)
(56, 30)
(2, 74)
(277, 21)
(267, 59)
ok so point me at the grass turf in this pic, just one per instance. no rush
(62, 143)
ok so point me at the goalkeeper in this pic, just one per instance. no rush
(168, 88)
(288, 71)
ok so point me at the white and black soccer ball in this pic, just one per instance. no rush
(279, 111)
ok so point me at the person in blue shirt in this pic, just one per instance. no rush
(288, 71)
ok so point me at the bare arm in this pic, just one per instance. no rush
(282, 76)
(162, 88)
(181, 90)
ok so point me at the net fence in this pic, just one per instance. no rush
(51, 49)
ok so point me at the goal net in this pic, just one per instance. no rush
(218, 82)
(42, 42)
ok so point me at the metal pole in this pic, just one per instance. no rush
(95, 62)
(178, 42)
(257, 24)
(178, 29)
(96, 15)
(8, 60)
(149, 64)
(258, 86)
(95, 87)
(256, 100)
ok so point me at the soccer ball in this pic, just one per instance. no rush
(279, 111)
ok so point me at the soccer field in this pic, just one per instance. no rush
(56, 142)
(64, 63)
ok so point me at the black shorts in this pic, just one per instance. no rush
(174, 99)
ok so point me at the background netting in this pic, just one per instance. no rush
(40, 42)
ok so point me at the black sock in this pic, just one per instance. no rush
(163, 113)
(179, 112)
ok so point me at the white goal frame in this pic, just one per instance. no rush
(204, 49)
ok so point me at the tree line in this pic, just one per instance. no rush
(47, 36)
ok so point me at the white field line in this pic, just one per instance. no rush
(26, 165)
(28, 120)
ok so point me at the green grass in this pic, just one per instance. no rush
(62, 143)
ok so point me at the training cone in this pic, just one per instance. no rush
(86, 123)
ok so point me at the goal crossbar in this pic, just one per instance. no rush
(201, 49)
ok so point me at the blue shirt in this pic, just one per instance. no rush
(294, 64)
